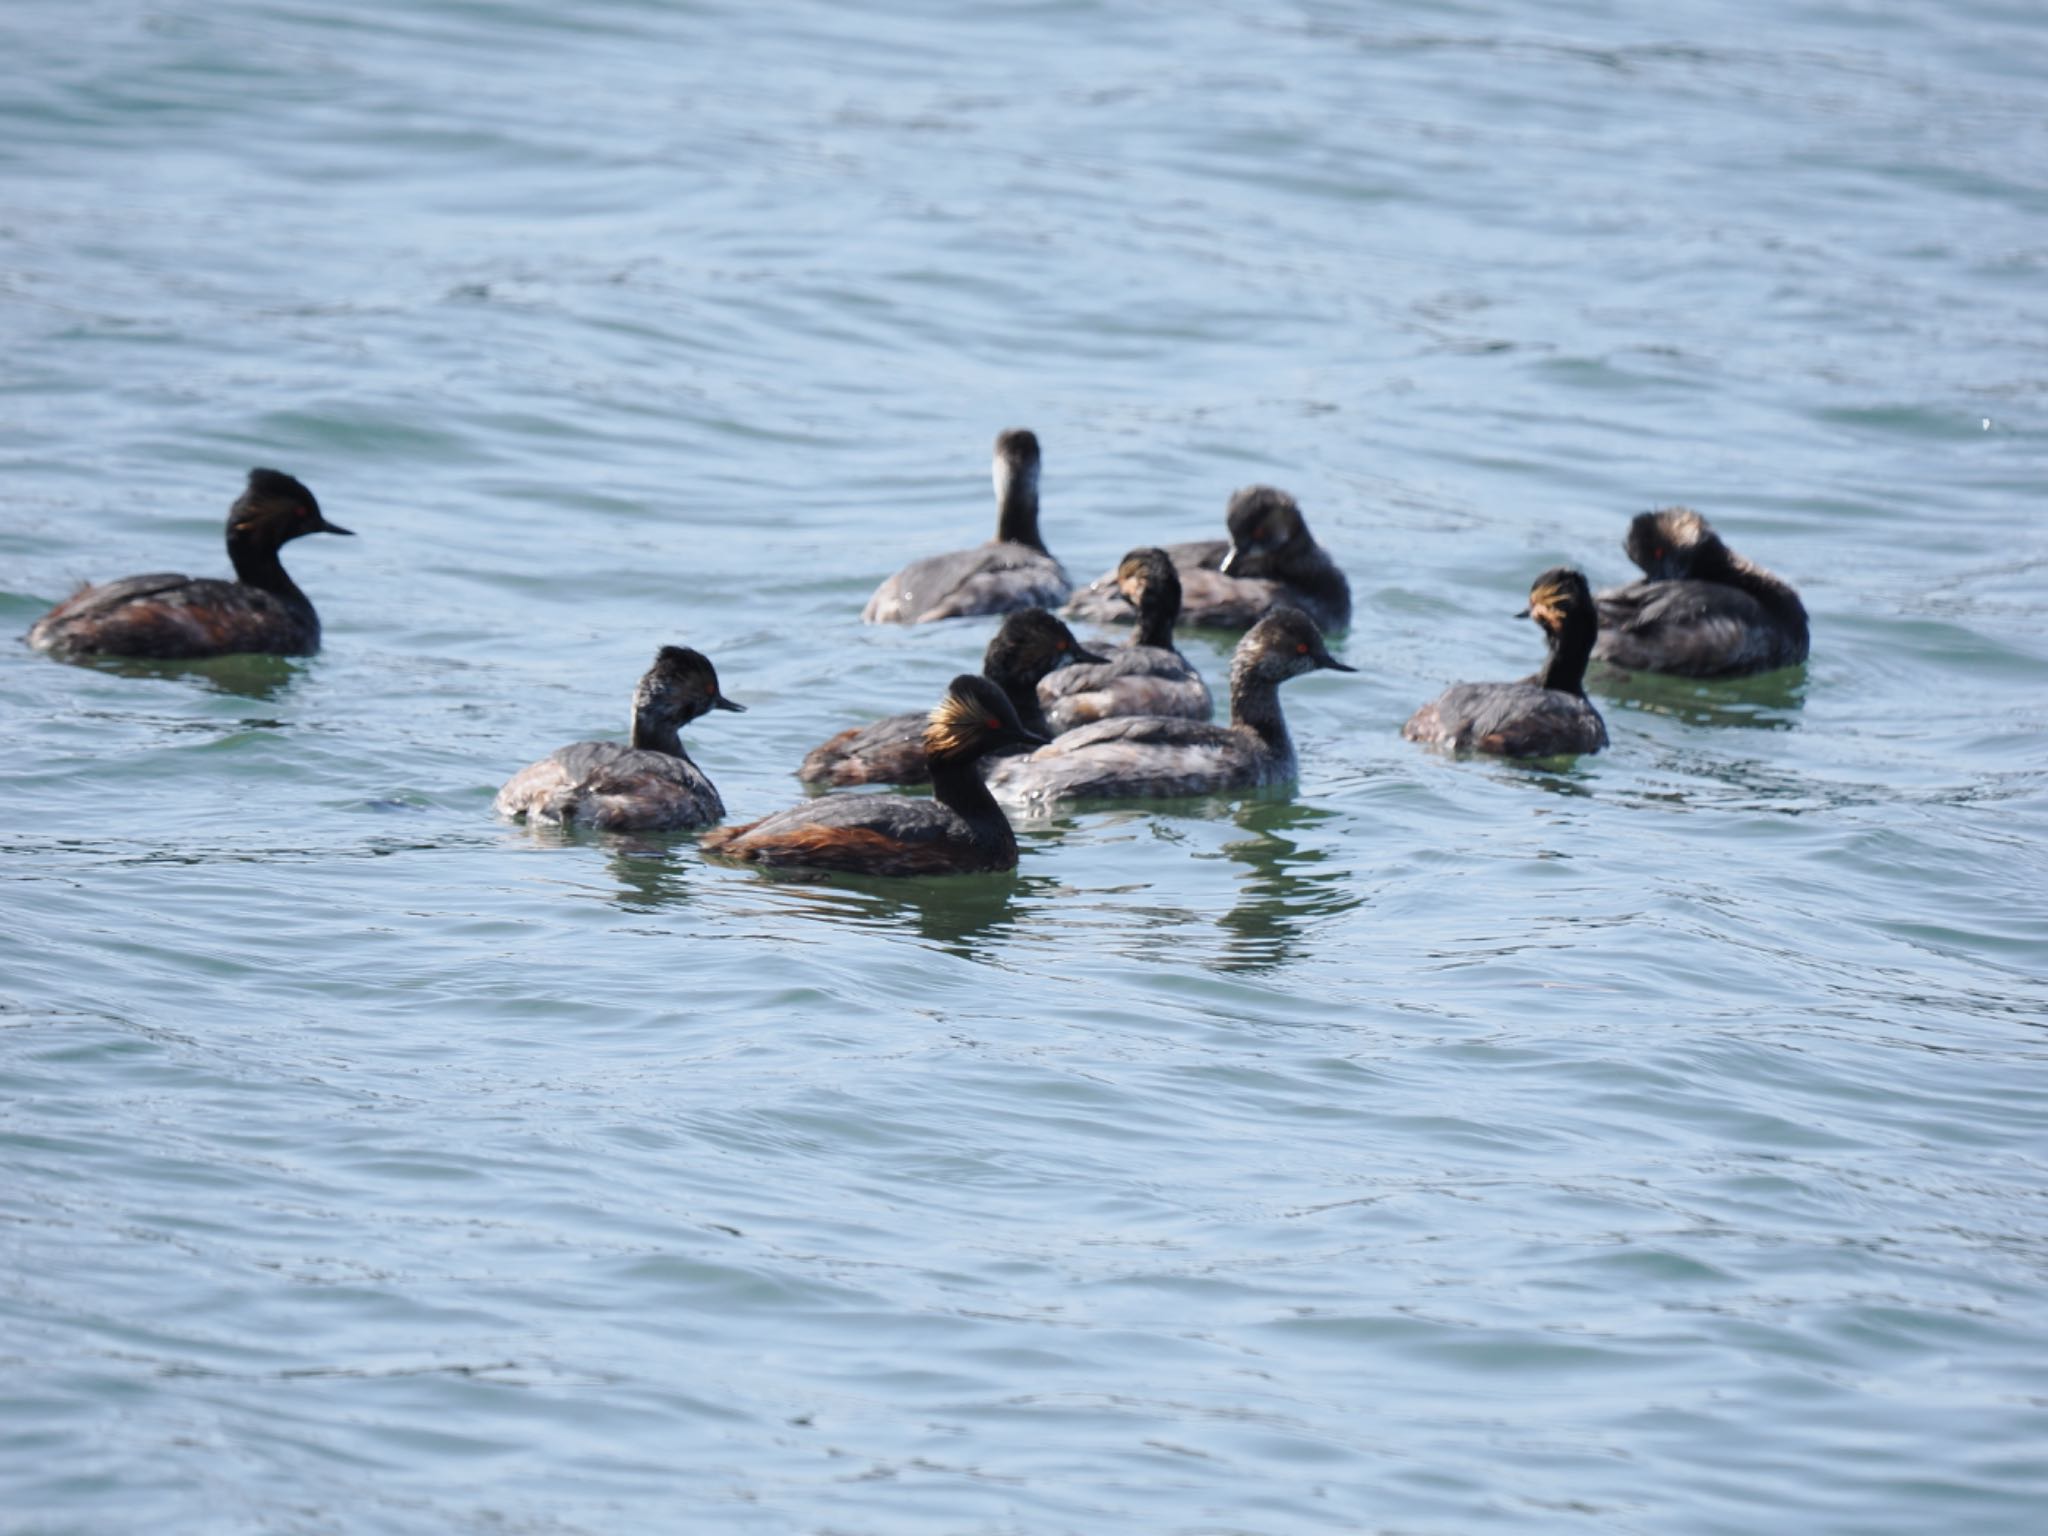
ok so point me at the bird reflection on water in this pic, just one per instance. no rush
(652, 869)
(961, 914)
(1770, 701)
(1291, 887)
(656, 872)
(651, 877)
(251, 675)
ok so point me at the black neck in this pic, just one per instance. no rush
(1571, 646)
(1022, 692)
(1305, 565)
(1255, 704)
(256, 565)
(1017, 518)
(1773, 595)
(957, 785)
(1155, 621)
(652, 733)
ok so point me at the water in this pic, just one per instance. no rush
(1652, 1145)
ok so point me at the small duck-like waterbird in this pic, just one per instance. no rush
(1545, 715)
(1011, 571)
(650, 785)
(173, 617)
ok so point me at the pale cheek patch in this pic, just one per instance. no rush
(1004, 474)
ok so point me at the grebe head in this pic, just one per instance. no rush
(680, 686)
(1016, 463)
(1557, 598)
(273, 510)
(1263, 523)
(1284, 644)
(1669, 544)
(1030, 644)
(1147, 579)
(973, 720)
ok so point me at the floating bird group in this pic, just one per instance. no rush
(1047, 720)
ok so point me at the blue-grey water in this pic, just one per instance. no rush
(1652, 1145)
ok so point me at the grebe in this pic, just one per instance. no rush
(1150, 756)
(1147, 676)
(175, 617)
(1011, 571)
(960, 830)
(1027, 647)
(649, 786)
(1701, 610)
(1546, 715)
(1270, 559)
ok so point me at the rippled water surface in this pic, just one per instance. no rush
(1651, 1144)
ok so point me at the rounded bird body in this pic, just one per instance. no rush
(651, 785)
(1012, 571)
(1270, 560)
(1701, 610)
(174, 617)
(1153, 757)
(960, 830)
(1546, 715)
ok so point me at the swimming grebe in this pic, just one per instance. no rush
(1012, 571)
(1701, 610)
(1270, 559)
(1028, 646)
(959, 830)
(1147, 676)
(1546, 715)
(1150, 756)
(649, 786)
(175, 617)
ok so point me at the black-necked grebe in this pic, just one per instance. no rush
(649, 786)
(1026, 647)
(1701, 610)
(1147, 676)
(960, 830)
(1146, 756)
(1012, 571)
(1547, 715)
(175, 617)
(1270, 560)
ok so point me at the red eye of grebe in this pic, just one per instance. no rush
(994, 725)
(1302, 648)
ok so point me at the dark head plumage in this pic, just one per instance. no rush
(1029, 644)
(1558, 596)
(1263, 523)
(1671, 543)
(273, 509)
(972, 720)
(1017, 447)
(1283, 644)
(1146, 578)
(680, 685)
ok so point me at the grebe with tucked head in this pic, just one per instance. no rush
(1147, 676)
(960, 830)
(1269, 560)
(1546, 715)
(648, 786)
(1029, 646)
(1701, 610)
(1012, 571)
(1151, 756)
(174, 617)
